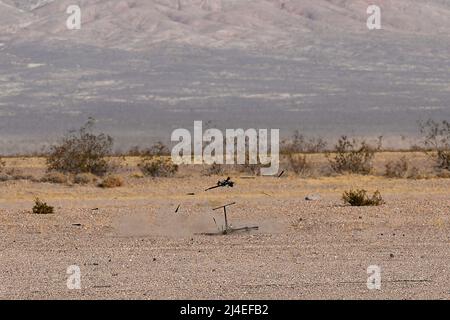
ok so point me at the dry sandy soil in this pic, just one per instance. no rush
(136, 247)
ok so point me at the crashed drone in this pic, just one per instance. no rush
(228, 228)
(222, 183)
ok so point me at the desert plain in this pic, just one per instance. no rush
(130, 243)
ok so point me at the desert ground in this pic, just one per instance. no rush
(136, 247)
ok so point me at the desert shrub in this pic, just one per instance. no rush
(397, 169)
(137, 175)
(84, 178)
(300, 144)
(81, 151)
(134, 151)
(415, 173)
(158, 149)
(55, 177)
(155, 162)
(437, 140)
(214, 169)
(444, 174)
(157, 167)
(42, 207)
(298, 164)
(360, 198)
(22, 176)
(248, 168)
(352, 157)
(111, 182)
(15, 174)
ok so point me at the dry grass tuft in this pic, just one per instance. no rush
(111, 182)
(42, 207)
(55, 177)
(85, 178)
(358, 198)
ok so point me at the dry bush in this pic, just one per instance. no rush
(134, 152)
(111, 182)
(158, 149)
(15, 174)
(299, 164)
(437, 141)
(397, 169)
(84, 178)
(349, 156)
(81, 151)
(251, 169)
(156, 162)
(22, 176)
(360, 198)
(214, 169)
(444, 174)
(300, 144)
(42, 207)
(157, 167)
(137, 175)
(55, 177)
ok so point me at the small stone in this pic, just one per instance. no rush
(312, 197)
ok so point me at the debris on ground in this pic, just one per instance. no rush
(222, 183)
(228, 228)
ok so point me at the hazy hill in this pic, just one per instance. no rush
(219, 23)
(146, 67)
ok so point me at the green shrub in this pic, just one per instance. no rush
(42, 207)
(360, 198)
(351, 156)
(81, 152)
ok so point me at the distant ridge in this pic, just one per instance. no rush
(138, 24)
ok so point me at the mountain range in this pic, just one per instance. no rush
(139, 24)
(145, 67)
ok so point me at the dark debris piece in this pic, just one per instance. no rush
(222, 183)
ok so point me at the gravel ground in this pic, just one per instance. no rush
(136, 247)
